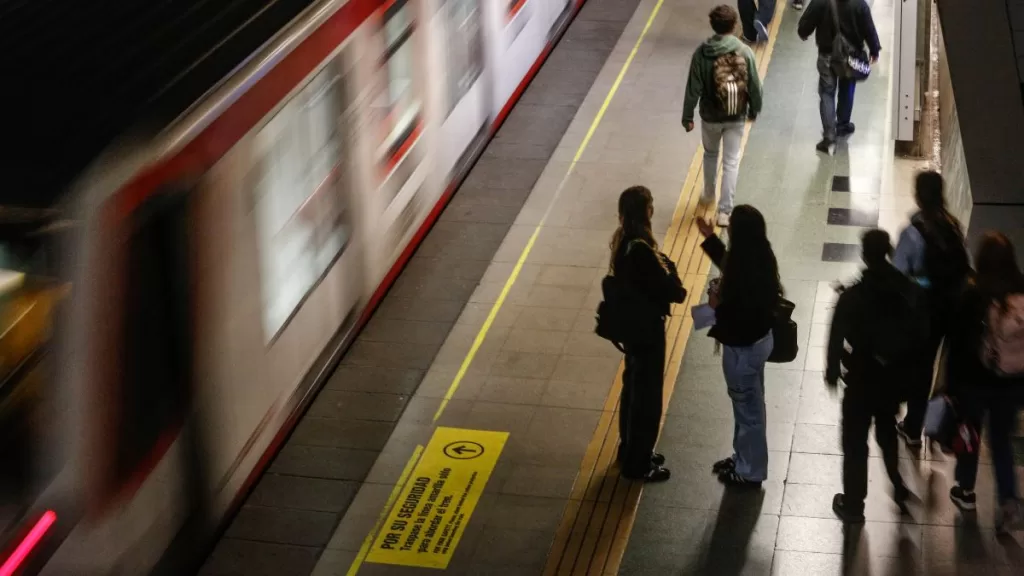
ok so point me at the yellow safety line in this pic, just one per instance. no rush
(482, 334)
(368, 541)
(599, 516)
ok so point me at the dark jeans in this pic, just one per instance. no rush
(831, 89)
(750, 10)
(1002, 421)
(919, 385)
(860, 407)
(643, 382)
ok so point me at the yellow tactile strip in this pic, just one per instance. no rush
(598, 519)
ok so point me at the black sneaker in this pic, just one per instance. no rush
(844, 512)
(798, 4)
(912, 441)
(654, 474)
(964, 499)
(724, 465)
(657, 459)
(825, 146)
(846, 129)
(732, 479)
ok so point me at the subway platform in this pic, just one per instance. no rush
(472, 427)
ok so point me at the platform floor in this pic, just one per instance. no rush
(491, 328)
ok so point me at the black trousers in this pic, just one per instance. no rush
(919, 385)
(860, 407)
(640, 403)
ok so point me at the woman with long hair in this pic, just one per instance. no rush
(745, 301)
(931, 250)
(653, 283)
(974, 386)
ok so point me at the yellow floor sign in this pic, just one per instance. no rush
(434, 507)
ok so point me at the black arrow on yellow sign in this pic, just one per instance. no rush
(463, 450)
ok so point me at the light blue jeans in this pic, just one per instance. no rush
(724, 138)
(744, 377)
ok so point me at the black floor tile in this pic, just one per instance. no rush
(835, 252)
(840, 183)
(849, 217)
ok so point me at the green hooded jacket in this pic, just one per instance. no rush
(700, 87)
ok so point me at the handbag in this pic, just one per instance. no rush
(784, 333)
(944, 426)
(848, 62)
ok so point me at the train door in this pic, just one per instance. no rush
(465, 110)
(398, 110)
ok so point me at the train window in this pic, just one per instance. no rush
(301, 210)
(465, 48)
(400, 104)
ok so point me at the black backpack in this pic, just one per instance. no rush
(848, 61)
(946, 261)
(897, 326)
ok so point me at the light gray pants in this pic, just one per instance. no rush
(727, 135)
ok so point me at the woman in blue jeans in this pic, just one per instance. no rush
(745, 302)
(977, 390)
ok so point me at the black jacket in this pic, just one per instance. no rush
(850, 326)
(855, 21)
(741, 322)
(652, 277)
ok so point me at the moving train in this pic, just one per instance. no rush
(212, 270)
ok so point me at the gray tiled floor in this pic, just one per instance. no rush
(691, 525)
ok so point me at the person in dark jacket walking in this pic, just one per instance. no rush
(975, 389)
(652, 279)
(723, 79)
(756, 15)
(871, 382)
(858, 27)
(933, 253)
(745, 303)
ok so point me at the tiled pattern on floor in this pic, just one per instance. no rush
(295, 508)
(691, 525)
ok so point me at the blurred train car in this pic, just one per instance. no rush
(221, 264)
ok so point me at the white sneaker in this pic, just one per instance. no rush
(723, 220)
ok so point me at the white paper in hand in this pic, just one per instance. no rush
(703, 316)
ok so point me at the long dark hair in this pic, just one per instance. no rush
(997, 274)
(750, 270)
(635, 207)
(928, 194)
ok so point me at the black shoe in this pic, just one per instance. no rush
(825, 146)
(656, 459)
(653, 474)
(964, 499)
(724, 465)
(798, 5)
(846, 129)
(912, 440)
(732, 479)
(844, 512)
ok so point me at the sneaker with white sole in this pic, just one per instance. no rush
(723, 220)
(964, 499)
(798, 5)
(762, 31)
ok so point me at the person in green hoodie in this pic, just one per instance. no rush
(723, 80)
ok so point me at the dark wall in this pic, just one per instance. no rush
(982, 118)
(983, 70)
